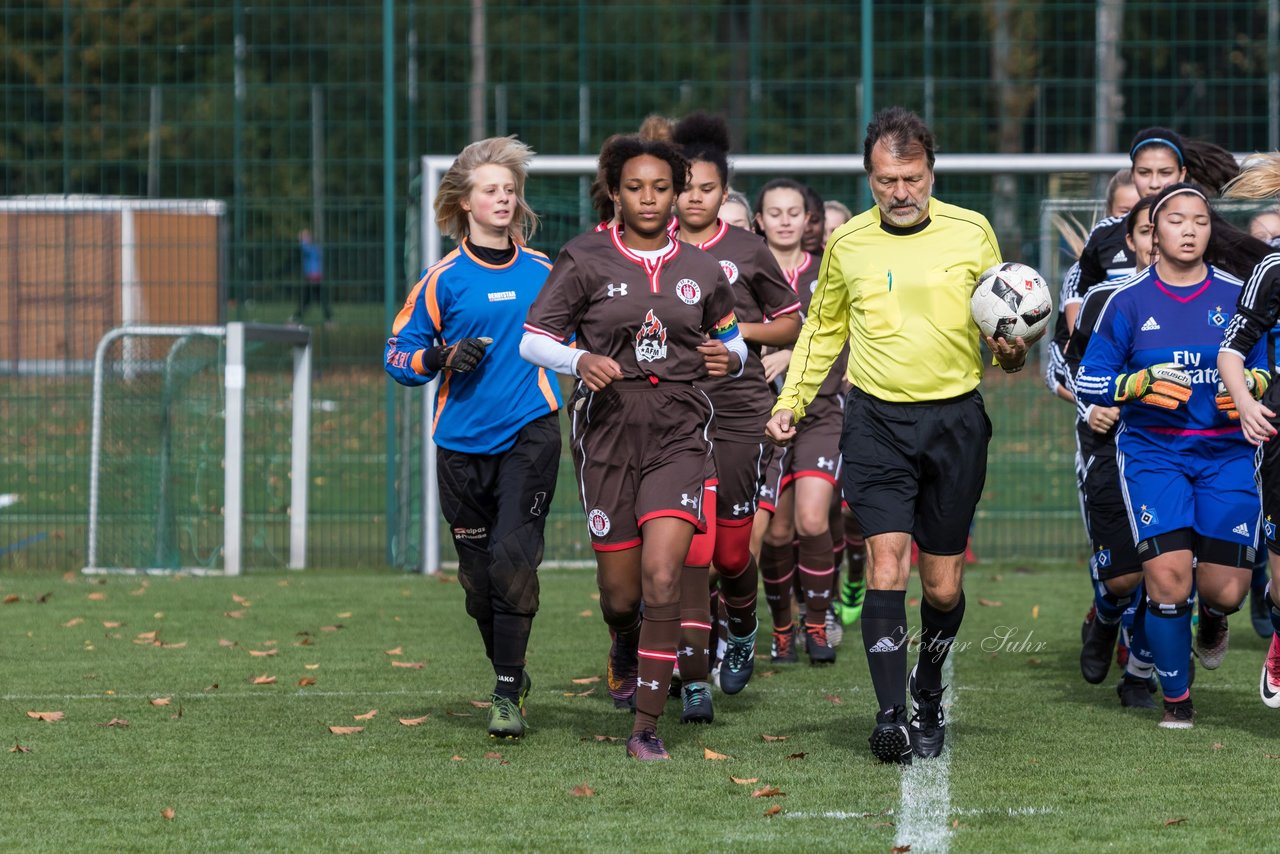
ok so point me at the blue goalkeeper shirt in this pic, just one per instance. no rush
(463, 296)
(1146, 322)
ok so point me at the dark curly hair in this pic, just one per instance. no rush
(601, 201)
(614, 157)
(704, 137)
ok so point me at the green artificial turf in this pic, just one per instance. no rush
(1039, 759)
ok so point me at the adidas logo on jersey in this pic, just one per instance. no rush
(1242, 529)
(1119, 257)
(886, 644)
(1150, 325)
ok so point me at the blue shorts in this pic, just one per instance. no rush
(1208, 484)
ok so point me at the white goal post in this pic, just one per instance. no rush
(235, 335)
(435, 165)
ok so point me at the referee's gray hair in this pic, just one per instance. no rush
(903, 132)
(457, 184)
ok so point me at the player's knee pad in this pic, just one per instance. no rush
(513, 575)
(1183, 539)
(733, 549)
(1210, 550)
(1167, 610)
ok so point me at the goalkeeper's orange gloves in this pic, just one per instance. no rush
(1165, 385)
(1256, 381)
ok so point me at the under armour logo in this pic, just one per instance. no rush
(651, 685)
(824, 463)
(741, 509)
(617, 290)
(687, 501)
(817, 594)
(687, 652)
(766, 492)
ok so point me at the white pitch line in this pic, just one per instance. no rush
(215, 695)
(924, 812)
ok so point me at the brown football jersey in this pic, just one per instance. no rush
(760, 291)
(804, 279)
(648, 316)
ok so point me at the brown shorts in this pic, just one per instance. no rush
(814, 452)
(640, 452)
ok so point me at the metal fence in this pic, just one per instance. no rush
(280, 112)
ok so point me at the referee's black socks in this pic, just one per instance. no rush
(938, 633)
(884, 635)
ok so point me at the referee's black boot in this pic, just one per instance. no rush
(928, 727)
(889, 740)
(1099, 648)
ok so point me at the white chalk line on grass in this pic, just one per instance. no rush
(844, 815)
(924, 814)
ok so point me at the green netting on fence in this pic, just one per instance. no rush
(275, 113)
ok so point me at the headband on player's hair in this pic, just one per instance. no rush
(1192, 190)
(1157, 140)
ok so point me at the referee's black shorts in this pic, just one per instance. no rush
(917, 468)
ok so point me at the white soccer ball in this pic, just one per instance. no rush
(1012, 301)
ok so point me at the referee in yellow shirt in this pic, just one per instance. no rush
(895, 283)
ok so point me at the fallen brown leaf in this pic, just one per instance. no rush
(213, 687)
(235, 615)
(305, 642)
(47, 716)
(492, 755)
(240, 600)
(773, 810)
(264, 679)
(74, 621)
(396, 651)
(111, 624)
(605, 738)
(1217, 745)
(446, 579)
(1171, 822)
(345, 615)
(161, 701)
(774, 737)
(18, 748)
(179, 645)
(834, 700)
(120, 722)
(481, 704)
(263, 653)
(456, 758)
(414, 721)
(345, 730)
(167, 813)
(900, 849)
(311, 666)
(768, 792)
(585, 680)
(409, 665)
(336, 628)
(367, 716)
(459, 714)
(745, 781)
(1271, 755)
(138, 591)
(583, 791)
(797, 755)
(913, 602)
(1035, 612)
(1034, 662)
(708, 753)
(990, 603)
(306, 682)
(97, 596)
(769, 674)
(11, 598)
(586, 693)
(148, 636)
(586, 613)
(225, 642)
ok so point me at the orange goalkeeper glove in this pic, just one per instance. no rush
(1256, 382)
(1165, 385)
